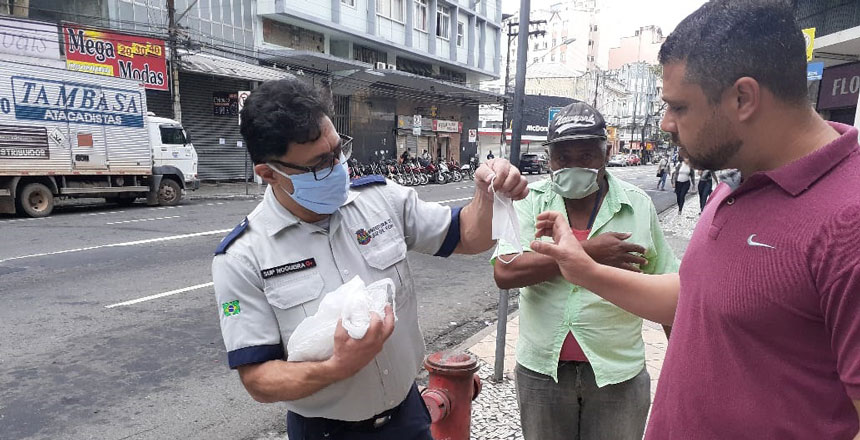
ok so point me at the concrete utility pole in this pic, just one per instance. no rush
(504, 138)
(174, 59)
(520, 87)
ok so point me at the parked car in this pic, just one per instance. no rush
(633, 160)
(619, 160)
(532, 163)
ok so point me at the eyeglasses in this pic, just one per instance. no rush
(324, 167)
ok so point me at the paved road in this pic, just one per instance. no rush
(110, 326)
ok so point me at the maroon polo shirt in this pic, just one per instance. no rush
(766, 339)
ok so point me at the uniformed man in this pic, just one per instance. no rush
(314, 231)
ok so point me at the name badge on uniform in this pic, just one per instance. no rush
(298, 266)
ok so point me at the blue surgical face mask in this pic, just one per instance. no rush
(320, 196)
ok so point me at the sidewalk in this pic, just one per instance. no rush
(227, 190)
(495, 414)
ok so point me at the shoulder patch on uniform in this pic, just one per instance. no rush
(373, 179)
(231, 237)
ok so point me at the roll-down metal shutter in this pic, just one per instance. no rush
(217, 161)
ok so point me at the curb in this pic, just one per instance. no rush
(477, 337)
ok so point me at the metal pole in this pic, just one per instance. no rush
(246, 172)
(520, 88)
(501, 332)
(174, 59)
(503, 141)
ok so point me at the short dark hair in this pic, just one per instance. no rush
(725, 40)
(279, 113)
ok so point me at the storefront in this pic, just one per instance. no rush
(441, 138)
(838, 93)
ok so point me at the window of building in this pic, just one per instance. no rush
(443, 22)
(552, 57)
(553, 42)
(545, 45)
(392, 9)
(461, 31)
(537, 46)
(563, 58)
(421, 15)
(591, 42)
(348, 2)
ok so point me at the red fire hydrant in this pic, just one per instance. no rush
(453, 385)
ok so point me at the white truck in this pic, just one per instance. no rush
(72, 134)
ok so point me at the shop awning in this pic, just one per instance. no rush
(229, 68)
(315, 62)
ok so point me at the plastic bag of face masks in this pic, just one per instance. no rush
(506, 225)
(313, 339)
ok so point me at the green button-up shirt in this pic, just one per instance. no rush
(610, 337)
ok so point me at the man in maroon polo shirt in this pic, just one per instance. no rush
(766, 308)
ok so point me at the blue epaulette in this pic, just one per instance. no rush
(373, 179)
(231, 237)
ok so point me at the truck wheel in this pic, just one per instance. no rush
(169, 192)
(36, 200)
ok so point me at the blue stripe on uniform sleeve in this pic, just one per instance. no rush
(254, 355)
(452, 239)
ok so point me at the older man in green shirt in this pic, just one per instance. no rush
(581, 360)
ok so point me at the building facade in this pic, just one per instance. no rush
(381, 62)
(644, 45)
(837, 46)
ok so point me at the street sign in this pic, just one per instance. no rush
(553, 112)
(814, 71)
(416, 125)
(243, 95)
(809, 36)
(473, 135)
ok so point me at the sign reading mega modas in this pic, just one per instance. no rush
(110, 54)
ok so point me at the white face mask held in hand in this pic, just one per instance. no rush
(506, 225)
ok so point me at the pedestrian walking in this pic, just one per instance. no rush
(313, 232)
(766, 339)
(662, 173)
(580, 370)
(490, 155)
(706, 185)
(683, 178)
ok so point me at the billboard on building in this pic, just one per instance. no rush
(29, 38)
(840, 87)
(119, 55)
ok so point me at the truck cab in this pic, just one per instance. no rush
(172, 147)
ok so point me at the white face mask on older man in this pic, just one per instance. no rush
(575, 183)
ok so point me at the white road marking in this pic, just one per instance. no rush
(445, 201)
(127, 243)
(142, 220)
(102, 213)
(19, 220)
(160, 295)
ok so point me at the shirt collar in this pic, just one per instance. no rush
(277, 218)
(800, 175)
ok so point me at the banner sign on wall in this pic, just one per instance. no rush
(119, 55)
(29, 38)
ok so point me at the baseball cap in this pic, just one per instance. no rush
(576, 121)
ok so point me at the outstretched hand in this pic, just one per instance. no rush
(565, 249)
(505, 178)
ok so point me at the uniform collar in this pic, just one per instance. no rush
(276, 218)
(800, 175)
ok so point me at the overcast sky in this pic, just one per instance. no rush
(622, 17)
